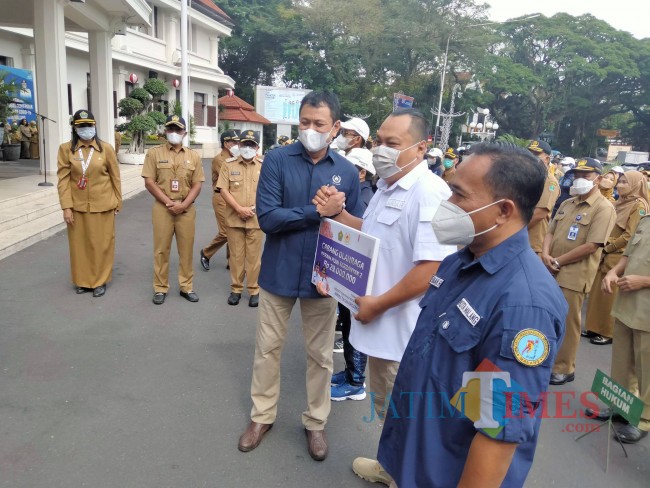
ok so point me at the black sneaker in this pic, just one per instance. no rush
(338, 345)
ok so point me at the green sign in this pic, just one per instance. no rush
(618, 398)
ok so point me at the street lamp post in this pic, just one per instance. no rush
(444, 65)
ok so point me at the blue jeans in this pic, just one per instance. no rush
(355, 361)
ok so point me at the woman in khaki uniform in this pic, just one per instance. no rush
(631, 207)
(90, 193)
(607, 184)
(33, 146)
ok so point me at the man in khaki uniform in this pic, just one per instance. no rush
(538, 225)
(229, 149)
(238, 184)
(449, 161)
(173, 175)
(631, 346)
(571, 251)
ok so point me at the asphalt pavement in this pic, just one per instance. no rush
(118, 392)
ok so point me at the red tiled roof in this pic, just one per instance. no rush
(213, 6)
(236, 109)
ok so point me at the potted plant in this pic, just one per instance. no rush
(141, 107)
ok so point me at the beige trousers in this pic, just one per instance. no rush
(631, 365)
(245, 258)
(382, 373)
(565, 361)
(318, 323)
(219, 206)
(165, 227)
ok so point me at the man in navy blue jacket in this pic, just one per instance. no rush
(290, 177)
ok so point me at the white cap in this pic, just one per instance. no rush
(435, 153)
(618, 169)
(357, 125)
(568, 161)
(362, 158)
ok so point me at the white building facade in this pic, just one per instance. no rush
(84, 54)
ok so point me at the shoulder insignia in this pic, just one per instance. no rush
(530, 347)
(642, 213)
(551, 188)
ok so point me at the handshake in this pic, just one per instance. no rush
(329, 201)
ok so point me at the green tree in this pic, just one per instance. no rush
(138, 108)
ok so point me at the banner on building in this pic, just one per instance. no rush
(345, 262)
(19, 84)
(402, 101)
(609, 133)
(279, 105)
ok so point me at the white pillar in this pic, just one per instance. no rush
(119, 79)
(101, 82)
(49, 42)
(171, 36)
(214, 51)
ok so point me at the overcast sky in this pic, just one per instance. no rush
(629, 15)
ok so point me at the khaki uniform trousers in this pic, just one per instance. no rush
(318, 323)
(599, 308)
(631, 365)
(165, 226)
(382, 373)
(565, 361)
(245, 258)
(221, 238)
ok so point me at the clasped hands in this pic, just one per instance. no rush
(329, 201)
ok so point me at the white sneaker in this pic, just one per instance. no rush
(371, 470)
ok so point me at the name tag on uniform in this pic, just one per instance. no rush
(436, 281)
(175, 186)
(573, 232)
(235, 173)
(394, 203)
(163, 161)
(468, 312)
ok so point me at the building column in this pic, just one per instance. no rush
(214, 52)
(171, 37)
(119, 79)
(52, 76)
(101, 82)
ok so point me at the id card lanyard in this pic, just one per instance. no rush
(83, 181)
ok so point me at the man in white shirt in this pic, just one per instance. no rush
(400, 215)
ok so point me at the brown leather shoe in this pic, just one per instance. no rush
(250, 439)
(317, 444)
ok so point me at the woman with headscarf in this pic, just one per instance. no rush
(631, 206)
(33, 142)
(25, 137)
(90, 193)
(607, 184)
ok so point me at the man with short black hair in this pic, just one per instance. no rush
(290, 176)
(399, 215)
(491, 312)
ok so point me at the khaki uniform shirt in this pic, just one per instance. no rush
(547, 201)
(25, 133)
(593, 220)
(240, 179)
(217, 162)
(103, 190)
(164, 164)
(633, 307)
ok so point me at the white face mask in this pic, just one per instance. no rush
(313, 140)
(384, 159)
(248, 153)
(234, 151)
(85, 133)
(342, 142)
(453, 226)
(581, 186)
(174, 138)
